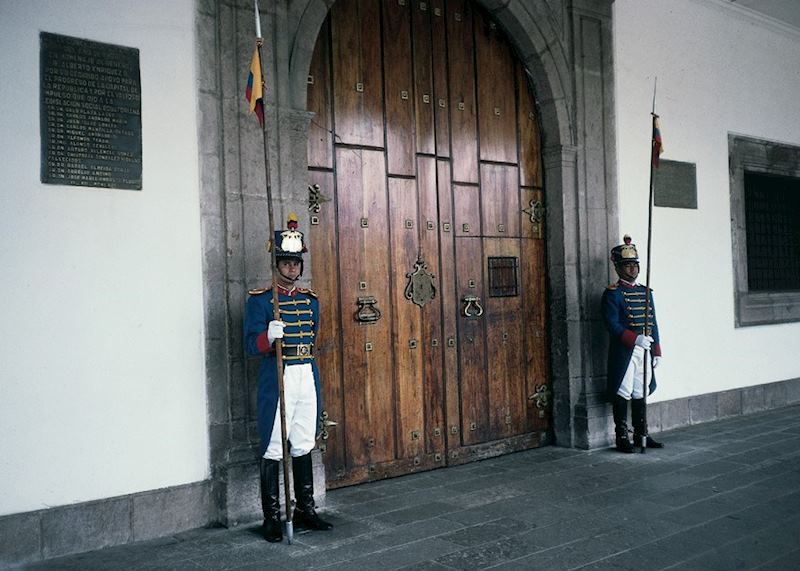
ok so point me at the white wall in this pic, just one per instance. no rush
(719, 70)
(102, 386)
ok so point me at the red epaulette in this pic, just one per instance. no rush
(612, 286)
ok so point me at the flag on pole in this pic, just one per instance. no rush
(254, 93)
(658, 148)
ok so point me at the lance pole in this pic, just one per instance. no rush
(647, 298)
(275, 305)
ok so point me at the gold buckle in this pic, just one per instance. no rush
(303, 350)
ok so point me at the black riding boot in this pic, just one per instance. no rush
(621, 424)
(640, 425)
(305, 514)
(270, 501)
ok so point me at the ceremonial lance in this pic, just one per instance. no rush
(655, 152)
(255, 95)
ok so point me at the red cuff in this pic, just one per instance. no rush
(628, 338)
(656, 349)
(262, 343)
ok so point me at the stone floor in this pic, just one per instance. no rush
(722, 495)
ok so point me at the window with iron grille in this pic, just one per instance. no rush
(765, 230)
(503, 280)
(772, 214)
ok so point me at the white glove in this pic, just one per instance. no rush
(656, 361)
(275, 331)
(644, 341)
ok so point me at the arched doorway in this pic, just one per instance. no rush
(425, 146)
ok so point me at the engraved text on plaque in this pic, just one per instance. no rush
(91, 124)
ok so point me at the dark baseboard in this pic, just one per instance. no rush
(666, 415)
(44, 534)
(708, 407)
(66, 530)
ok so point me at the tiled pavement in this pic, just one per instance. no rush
(722, 495)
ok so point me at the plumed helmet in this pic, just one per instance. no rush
(624, 253)
(289, 243)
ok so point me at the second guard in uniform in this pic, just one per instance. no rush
(297, 325)
(623, 308)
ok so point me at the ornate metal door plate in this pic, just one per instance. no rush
(420, 288)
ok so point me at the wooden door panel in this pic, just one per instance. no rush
(432, 342)
(363, 265)
(474, 396)
(505, 347)
(398, 90)
(530, 152)
(445, 177)
(532, 213)
(357, 77)
(497, 119)
(407, 330)
(424, 98)
(463, 120)
(449, 296)
(320, 134)
(500, 200)
(328, 344)
(466, 210)
(534, 321)
(441, 91)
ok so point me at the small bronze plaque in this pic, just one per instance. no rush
(675, 185)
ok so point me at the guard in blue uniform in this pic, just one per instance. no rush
(623, 308)
(297, 325)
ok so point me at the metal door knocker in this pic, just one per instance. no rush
(473, 306)
(367, 312)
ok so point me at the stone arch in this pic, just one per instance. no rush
(529, 28)
(566, 47)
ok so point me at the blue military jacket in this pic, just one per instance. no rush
(299, 310)
(623, 307)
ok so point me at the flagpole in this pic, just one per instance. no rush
(648, 359)
(275, 304)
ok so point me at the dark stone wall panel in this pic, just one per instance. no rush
(164, 512)
(20, 539)
(85, 527)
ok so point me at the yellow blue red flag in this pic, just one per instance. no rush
(254, 93)
(657, 145)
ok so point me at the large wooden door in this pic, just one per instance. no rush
(425, 149)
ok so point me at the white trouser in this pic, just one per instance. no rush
(301, 413)
(632, 384)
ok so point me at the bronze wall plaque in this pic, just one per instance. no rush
(90, 113)
(675, 185)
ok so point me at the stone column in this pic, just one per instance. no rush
(596, 210)
(235, 227)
